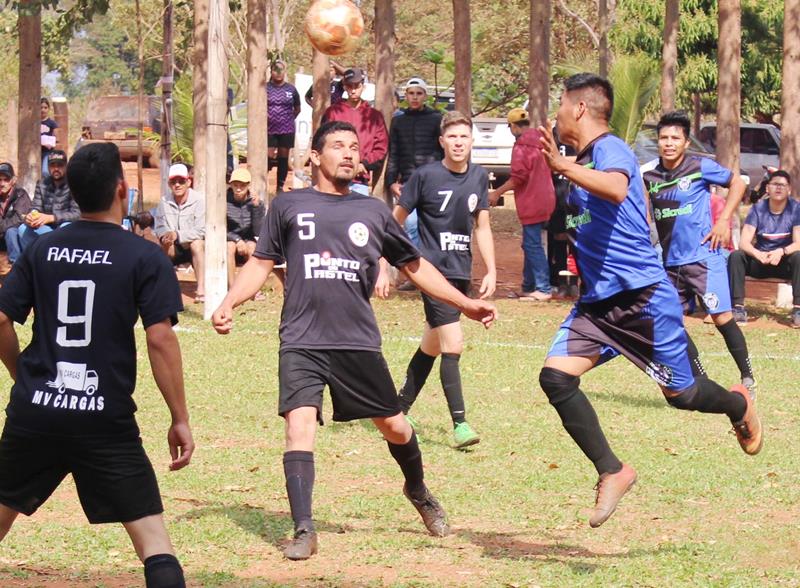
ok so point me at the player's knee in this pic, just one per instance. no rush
(557, 385)
(682, 399)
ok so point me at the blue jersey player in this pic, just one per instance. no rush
(628, 305)
(679, 187)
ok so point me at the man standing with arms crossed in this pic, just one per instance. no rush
(450, 198)
(628, 305)
(332, 240)
(680, 192)
(71, 408)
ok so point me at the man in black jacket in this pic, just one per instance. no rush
(413, 141)
(245, 215)
(14, 205)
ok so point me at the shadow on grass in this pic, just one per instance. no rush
(644, 399)
(274, 527)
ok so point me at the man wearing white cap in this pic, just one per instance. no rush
(181, 225)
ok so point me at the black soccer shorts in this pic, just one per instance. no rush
(114, 477)
(360, 384)
(439, 313)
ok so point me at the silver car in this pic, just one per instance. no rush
(759, 144)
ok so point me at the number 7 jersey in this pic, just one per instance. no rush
(87, 283)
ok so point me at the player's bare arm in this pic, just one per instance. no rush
(428, 279)
(382, 282)
(485, 241)
(249, 281)
(167, 365)
(610, 186)
(720, 234)
(9, 345)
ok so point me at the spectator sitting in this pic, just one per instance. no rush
(769, 246)
(53, 205)
(181, 225)
(245, 216)
(15, 204)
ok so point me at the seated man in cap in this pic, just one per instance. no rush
(181, 225)
(373, 139)
(245, 215)
(53, 205)
(15, 204)
(769, 246)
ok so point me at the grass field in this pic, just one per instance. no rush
(702, 514)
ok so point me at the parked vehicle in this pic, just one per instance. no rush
(759, 144)
(115, 119)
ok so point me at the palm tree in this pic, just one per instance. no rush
(539, 61)
(462, 52)
(790, 107)
(669, 55)
(635, 81)
(729, 87)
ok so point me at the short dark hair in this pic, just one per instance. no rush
(44, 100)
(333, 126)
(598, 93)
(93, 174)
(781, 173)
(675, 118)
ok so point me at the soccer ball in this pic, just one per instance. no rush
(334, 26)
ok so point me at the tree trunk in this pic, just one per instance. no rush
(462, 52)
(29, 156)
(167, 83)
(790, 106)
(539, 62)
(603, 25)
(257, 65)
(320, 69)
(697, 114)
(139, 104)
(669, 55)
(216, 157)
(13, 131)
(200, 93)
(384, 69)
(729, 55)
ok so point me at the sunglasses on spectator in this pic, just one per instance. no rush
(178, 181)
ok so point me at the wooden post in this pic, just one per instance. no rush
(539, 62)
(669, 55)
(257, 66)
(462, 52)
(729, 88)
(199, 93)
(13, 129)
(216, 151)
(602, 17)
(790, 107)
(29, 155)
(167, 84)
(61, 116)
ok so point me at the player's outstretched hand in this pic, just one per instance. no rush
(550, 151)
(222, 319)
(181, 445)
(488, 285)
(481, 311)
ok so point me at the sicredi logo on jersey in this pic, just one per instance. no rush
(322, 266)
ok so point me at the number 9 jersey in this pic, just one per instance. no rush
(88, 283)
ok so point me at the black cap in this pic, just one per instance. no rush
(354, 75)
(57, 156)
(6, 169)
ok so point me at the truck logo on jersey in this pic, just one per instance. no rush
(472, 202)
(72, 376)
(322, 266)
(359, 234)
(453, 242)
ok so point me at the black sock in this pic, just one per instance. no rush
(409, 458)
(417, 373)
(579, 418)
(451, 382)
(694, 358)
(713, 398)
(283, 171)
(737, 346)
(163, 571)
(298, 467)
(271, 162)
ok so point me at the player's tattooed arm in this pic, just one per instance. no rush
(166, 362)
(428, 279)
(485, 241)
(249, 281)
(9, 345)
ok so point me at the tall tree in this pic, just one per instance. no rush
(200, 92)
(462, 49)
(729, 56)
(167, 84)
(257, 65)
(790, 106)
(539, 61)
(384, 68)
(29, 155)
(669, 54)
(603, 24)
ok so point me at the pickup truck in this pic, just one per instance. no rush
(759, 146)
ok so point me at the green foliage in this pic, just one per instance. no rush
(183, 122)
(636, 82)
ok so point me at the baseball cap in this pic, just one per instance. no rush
(57, 156)
(178, 170)
(417, 83)
(354, 75)
(6, 169)
(240, 174)
(516, 115)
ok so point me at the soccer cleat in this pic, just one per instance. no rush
(432, 513)
(796, 317)
(748, 430)
(610, 489)
(302, 546)
(740, 315)
(751, 385)
(465, 435)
